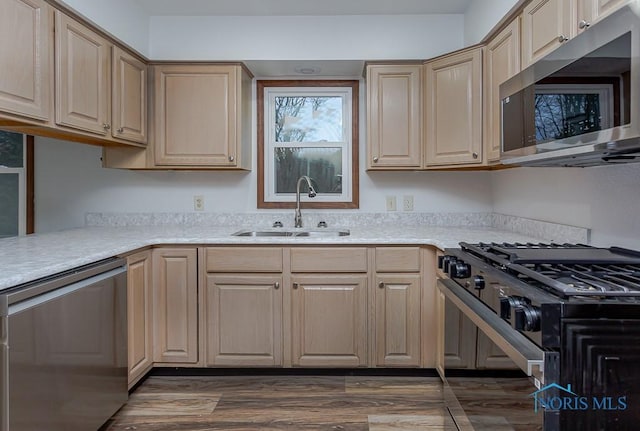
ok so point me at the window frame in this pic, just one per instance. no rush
(262, 134)
(26, 219)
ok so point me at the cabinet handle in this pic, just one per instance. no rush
(231, 158)
(295, 285)
(475, 155)
(375, 159)
(106, 126)
(120, 130)
(276, 285)
(381, 285)
(562, 38)
(583, 24)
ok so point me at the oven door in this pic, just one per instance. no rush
(480, 398)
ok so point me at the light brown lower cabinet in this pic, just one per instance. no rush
(329, 320)
(175, 285)
(139, 315)
(243, 320)
(234, 306)
(397, 317)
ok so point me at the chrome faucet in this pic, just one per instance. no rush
(312, 194)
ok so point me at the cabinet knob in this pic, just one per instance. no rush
(120, 130)
(475, 155)
(231, 158)
(562, 38)
(295, 285)
(106, 126)
(381, 285)
(583, 24)
(276, 285)
(375, 159)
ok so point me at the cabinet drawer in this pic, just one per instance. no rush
(243, 259)
(398, 259)
(329, 259)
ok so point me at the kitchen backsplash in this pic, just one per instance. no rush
(546, 231)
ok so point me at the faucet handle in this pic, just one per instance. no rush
(277, 223)
(322, 223)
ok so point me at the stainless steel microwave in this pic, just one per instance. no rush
(579, 105)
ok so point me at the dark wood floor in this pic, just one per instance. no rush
(362, 403)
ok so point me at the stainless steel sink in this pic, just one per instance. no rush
(263, 233)
(323, 233)
(318, 233)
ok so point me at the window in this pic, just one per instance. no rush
(308, 128)
(16, 184)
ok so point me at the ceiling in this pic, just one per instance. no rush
(302, 7)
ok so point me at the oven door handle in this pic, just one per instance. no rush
(527, 356)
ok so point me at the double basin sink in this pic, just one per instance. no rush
(294, 233)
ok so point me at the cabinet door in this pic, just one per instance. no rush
(26, 70)
(129, 97)
(175, 305)
(545, 25)
(454, 109)
(397, 318)
(394, 116)
(488, 354)
(243, 320)
(591, 11)
(139, 315)
(196, 115)
(329, 320)
(460, 339)
(83, 77)
(501, 62)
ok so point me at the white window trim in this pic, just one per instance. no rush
(269, 142)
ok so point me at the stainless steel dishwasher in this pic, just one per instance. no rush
(63, 350)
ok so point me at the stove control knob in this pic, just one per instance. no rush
(446, 263)
(459, 269)
(441, 261)
(510, 302)
(478, 282)
(505, 308)
(527, 318)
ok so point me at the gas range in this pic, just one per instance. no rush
(566, 314)
(566, 270)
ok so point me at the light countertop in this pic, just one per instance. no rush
(27, 258)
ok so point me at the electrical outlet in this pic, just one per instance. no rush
(407, 203)
(391, 203)
(198, 203)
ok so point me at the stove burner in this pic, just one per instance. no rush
(567, 270)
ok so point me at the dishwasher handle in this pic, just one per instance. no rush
(62, 291)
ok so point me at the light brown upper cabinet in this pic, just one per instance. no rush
(26, 68)
(129, 97)
(591, 11)
(394, 114)
(200, 117)
(545, 25)
(453, 128)
(501, 62)
(83, 77)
